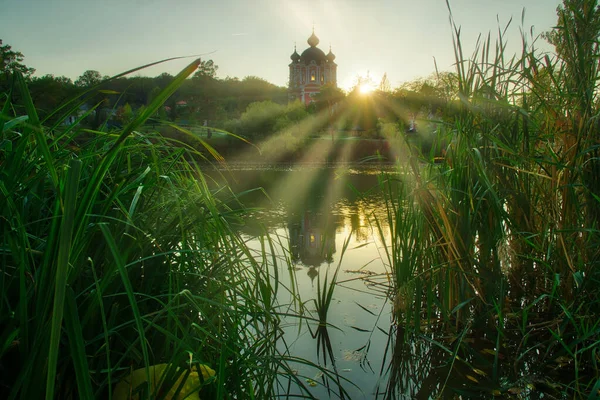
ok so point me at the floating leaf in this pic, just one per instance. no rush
(355, 355)
(311, 382)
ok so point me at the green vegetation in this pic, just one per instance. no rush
(117, 257)
(120, 264)
(494, 254)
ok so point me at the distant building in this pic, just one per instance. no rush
(311, 70)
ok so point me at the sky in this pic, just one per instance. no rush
(256, 37)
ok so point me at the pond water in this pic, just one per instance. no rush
(325, 220)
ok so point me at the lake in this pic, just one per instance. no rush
(321, 220)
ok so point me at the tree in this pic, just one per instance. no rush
(49, 92)
(328, 97)
(163, 80)
(11, 61)
(124, 114)
(89, 78)
(206, 69)
(384, 85)
(577, 19)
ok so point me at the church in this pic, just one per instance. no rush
(311, 70)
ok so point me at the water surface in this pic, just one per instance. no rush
(328, 219)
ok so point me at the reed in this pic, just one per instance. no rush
(117, 257)
(504, 234)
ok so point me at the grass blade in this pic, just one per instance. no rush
(64, 250)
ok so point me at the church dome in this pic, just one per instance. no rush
(330, 56)
(295, 56)
(313, 54)
(313, 40)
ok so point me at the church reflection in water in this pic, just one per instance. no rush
(312, 239)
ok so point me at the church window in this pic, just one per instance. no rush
(322, 78)
(313, 76)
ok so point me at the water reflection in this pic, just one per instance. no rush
(312, 239)
(315, 213)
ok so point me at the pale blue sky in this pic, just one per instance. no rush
(256, 37)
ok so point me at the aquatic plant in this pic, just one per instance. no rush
(117, 257)
(499, 243)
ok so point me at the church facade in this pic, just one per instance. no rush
(310, 71)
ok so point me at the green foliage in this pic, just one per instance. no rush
(12, 61)
(49, 91)
(265, 118)
(203, 97)
(260, 118)
(88, 79)
(501, 240)
(206, 69)
(124, 114)
(117, 257)
(328, 97)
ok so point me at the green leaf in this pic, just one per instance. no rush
(112, 245)
(95, 181)
(77, 347)
(41, 141)
(14, 122)
(64, 250)
(461, 305)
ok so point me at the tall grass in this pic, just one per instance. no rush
(500, 243)
(116, 256)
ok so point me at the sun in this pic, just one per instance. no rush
(366, 88)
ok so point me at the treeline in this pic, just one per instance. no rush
(202, 97)
(250, 107)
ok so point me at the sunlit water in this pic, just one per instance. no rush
(321, 220)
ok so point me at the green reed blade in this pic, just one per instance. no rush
(36, 127)
(77, 347)
(114, 249)
(60, 281)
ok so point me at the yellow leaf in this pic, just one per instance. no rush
(496, 392)
(128, 385)
(472, 378)
(479, 372)
(492, 352)
(562, 360)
